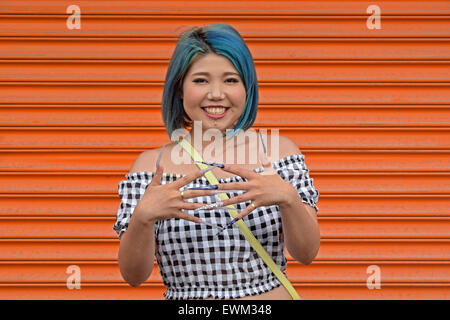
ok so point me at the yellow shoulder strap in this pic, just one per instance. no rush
(242, 226)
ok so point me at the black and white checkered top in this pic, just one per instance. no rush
(194, 261)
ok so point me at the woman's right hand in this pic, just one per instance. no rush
(161, 202)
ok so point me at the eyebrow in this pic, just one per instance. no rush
(207, 73)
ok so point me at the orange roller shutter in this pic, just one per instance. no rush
(369, 109)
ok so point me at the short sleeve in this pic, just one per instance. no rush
(293, 169)
(131, 191)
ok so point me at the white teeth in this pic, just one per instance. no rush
(215, 110)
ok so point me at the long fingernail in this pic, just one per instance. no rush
(210, 206)
(159, 156)
(224, 208)
(218, 165)
(203, 171)
(210, 225)
(212, 187)
(228, 225)
(225, 191)
(236, 219)
(262, 141)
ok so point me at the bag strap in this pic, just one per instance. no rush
(241, 224)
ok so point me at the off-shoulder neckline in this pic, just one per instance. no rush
(275, 164)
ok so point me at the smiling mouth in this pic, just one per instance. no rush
(215, 112)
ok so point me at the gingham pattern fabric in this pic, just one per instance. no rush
(193, 261)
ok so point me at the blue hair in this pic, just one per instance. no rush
(194, 43)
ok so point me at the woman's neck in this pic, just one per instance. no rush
(203, 138)
(238, 149)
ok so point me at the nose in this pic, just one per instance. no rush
(216, 92)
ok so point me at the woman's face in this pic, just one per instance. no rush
(213, 92)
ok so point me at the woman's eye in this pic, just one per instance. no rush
(233, 80)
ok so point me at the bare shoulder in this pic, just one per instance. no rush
(287, 147)
(145, 161)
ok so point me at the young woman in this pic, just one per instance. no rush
(211, 85)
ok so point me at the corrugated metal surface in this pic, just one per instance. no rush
(370, 109)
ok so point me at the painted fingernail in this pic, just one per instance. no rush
(203, 171)
(225, 208)
(213, 187)
(262, 141)
(233, 222)
(218, 165)
(210, 206)
(225, 191)
(159, 156)
(211, 225)
(228, 225)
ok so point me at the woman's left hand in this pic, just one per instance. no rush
(262, 189)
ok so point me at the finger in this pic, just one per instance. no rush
(187, 179)
(238, 199)
(246, 211)
(242, 172)
(187, 216)
(188, 194)
(264, 160)
(267, 164)
(191, 205)
(158, 175)
(234, 186)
